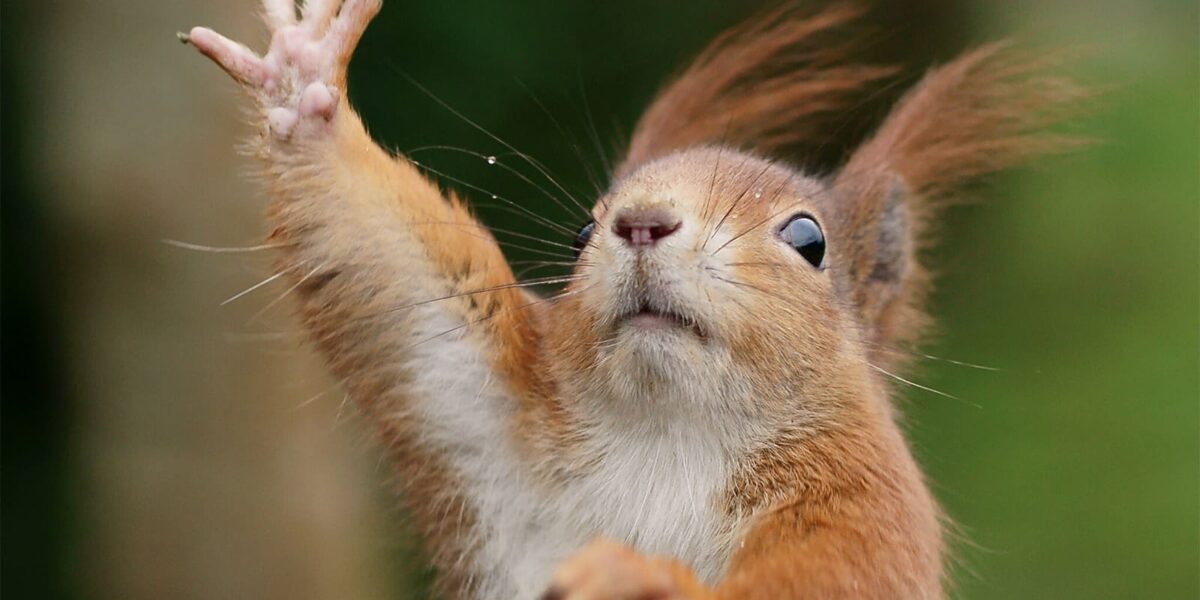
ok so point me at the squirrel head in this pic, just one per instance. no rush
(709, 273)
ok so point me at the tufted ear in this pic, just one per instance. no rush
(772, 83)
(984, 112)
(877, 267)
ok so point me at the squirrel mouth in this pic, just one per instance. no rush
(648, 318)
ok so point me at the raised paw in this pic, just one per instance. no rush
(299, 81)
(606, 570)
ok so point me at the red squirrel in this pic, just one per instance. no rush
(704, 411)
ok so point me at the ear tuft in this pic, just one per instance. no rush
(766, 84)
(984, 112)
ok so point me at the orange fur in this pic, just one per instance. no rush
(771, 370)
(831, 504)
(765, 85)
(982, 113)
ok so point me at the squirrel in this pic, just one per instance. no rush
(705, 410)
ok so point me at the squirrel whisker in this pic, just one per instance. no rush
(506, 286)
(221, 249)
(537, 165)
(256, 286)
(921, 387)
(493, 160)
(514, 205)
(737, 200)
(570, 140)
(256, 316)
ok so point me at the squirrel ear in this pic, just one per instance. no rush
(984, 112)
(771, 84)
(875, 226)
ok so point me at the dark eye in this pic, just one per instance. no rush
(803, 234)
(581, 238)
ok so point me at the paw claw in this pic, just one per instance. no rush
(239, 61)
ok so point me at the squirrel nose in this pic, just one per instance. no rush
(643, 227)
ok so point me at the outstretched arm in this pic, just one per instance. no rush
(383, 265)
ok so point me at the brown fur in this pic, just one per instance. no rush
(826, 501)
(764, 85)
(982, 113)
(831, 504)
(350, 304)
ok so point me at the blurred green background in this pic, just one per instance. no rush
(160, 445)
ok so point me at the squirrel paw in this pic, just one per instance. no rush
(299, 81)
(606, 570)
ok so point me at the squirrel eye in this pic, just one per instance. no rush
(582, 238)
(802, 233)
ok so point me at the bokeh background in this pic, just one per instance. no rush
(159, 444)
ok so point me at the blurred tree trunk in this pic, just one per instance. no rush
(204, 471)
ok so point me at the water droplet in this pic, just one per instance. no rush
(495, 197)
(491, 160)
(757, 194)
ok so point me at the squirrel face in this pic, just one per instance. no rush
(691, 286)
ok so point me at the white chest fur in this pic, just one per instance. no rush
(654, 491)
(653, 487)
